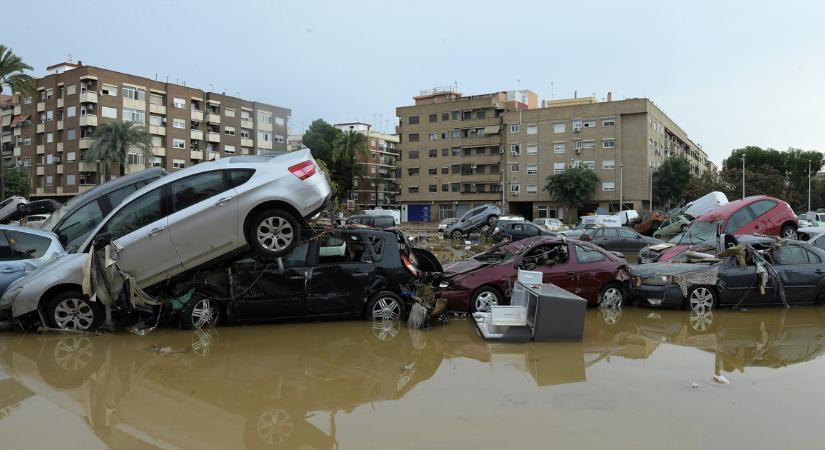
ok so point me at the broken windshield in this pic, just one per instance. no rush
(699, 233)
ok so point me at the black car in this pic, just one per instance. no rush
(348, 273)
(46, 206)
(511, 231)
(370, 220)
(702, 286)
(618, 239)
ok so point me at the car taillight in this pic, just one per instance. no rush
(409, 265)
(303, 170)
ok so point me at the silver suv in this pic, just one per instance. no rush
(180, 222)
(476, 218)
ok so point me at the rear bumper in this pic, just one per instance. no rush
(669, 296)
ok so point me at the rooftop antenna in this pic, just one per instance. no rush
(69, 57)
(156, 76)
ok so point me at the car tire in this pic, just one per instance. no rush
(200, 312)
(492, 221)
(456, 234)
(71, 310)
(611, 295)
(274, 232)
(701, 298)
(483, 298)
(20, 206)
(385, 305)
(788, 232)
(505, 239)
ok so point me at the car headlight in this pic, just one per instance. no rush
(659, 280)
(444, 284)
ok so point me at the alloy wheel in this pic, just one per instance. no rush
(274, 427)
(204, 314)
(74, 314)
(701, 299)
(789, 233)
(701, 320)
(275, 233)
(73, 353)
(612, 297)
(386, 308)
(484, 300)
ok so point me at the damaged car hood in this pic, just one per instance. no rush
(461, 267)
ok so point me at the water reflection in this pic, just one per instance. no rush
(283, 386)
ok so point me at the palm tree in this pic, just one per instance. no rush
(13, 76)
(114, 141)
(347, 149)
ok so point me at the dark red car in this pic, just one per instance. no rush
(579, 267)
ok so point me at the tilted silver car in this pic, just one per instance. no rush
(180, 222)
(485, 215)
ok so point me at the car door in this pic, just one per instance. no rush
(763, 222)
(264, 292)
(592, 269)
(142, 241)
(608, 239)
(801, 271)
(629, 241)
(341, 271)
(739, 284)
(516, 231)
(555, 265)
(739, 221)
(204, 220)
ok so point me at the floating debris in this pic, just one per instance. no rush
(720, 379)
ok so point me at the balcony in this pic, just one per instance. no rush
(158, 130)
(213, 137)
(265, 144)
(88, 97)
(88, 120)
(134, 104)
(41, 127)
(41, 106)
(86, 167)
(85, 143)
(246, 142)
(18, 151)
(38, 191)
(197, 135)
(18, 110)
(158, 151)
(196, 155)
(264, 126)
(213, 118)
(60, 169)
(59, 146)
(157, 109)
(60, 103)
(132, 168)
(41, 149)
(197, 115)
(59, 189)
(18, 131)
(59, 124)
(245, 123)
(41, 170)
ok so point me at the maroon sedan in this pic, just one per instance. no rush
(580, 267)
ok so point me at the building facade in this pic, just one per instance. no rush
(187, 125)
(374, 185)
(457, 152)
(7, 103)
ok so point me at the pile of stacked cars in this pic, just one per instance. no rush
(476, 219)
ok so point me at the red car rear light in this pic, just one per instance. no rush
(409, 265)
(303, 170)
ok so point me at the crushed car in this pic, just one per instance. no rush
(22, 250)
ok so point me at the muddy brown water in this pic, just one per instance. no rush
(640, 379)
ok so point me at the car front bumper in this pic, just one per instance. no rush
(667, 296)
(457, 300)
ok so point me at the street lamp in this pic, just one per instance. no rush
(809, 185)
(621, 187)
(743, 175)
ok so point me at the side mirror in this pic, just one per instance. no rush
(102, 240)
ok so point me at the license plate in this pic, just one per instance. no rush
(645, 260)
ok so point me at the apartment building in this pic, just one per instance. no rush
(623, 142)
(374, 184)
(450, 151)
(52, 133)
(7, 103)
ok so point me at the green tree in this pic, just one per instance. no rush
(706, 183)
(796, 165)
(14, 77)
(347, 149)
(670, 181)
(17, 181)
(113, 142)
(573, 187)
(321, 138)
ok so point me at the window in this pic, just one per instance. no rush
(608, 186)
(445, 171)
(49, 138)
(108, 112)
(229, 112)
(71, 89)
(589, 124)
(71, 134)
(134, 158)
(792, 255)
(109, 90)
(455, 151)
(515, 149)
(455, 115)
(515, 188)
(588, 144)
(738, 220)
(413, 137)
(279, 121)
(432, 188)
(413, 171)
(178, 163)
(134, 93)
(455, 169)
(455, 187)
(532, 129)
(139, 213)
(178, 102)
(413, 120)
(432, 171)
(49, 180)
(71, 111)
(532, 189)
(762, 206)
(558, 127)
(412, 189)
(229, 131)
(279, 139)
(70, 180)
(264, 136)
(532, 169)
(195, 189)
(176, 123)
(25, 245)
(514, 167)
(412, 154)
(178, 143)
(445, 187)
(433, 118)
(157, 161)
(49, 116)
(26, 141)
(433, 153)
(245, 133)
(133, 115)
(229, 149)
(608, 164)
(514, 128)
(608, 143)
(577, 144)
(341, 248)
(433, 136)
(156, 120)
(558, 148)
(157, 141)
(609, 122)
(558, 168)
(532, 149)
(445, 116)
(589, 164)
(588, 255)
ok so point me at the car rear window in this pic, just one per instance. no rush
(25, 246)
(238, 177)
(341, 248)
(378, 244)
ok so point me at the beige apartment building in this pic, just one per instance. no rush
(374, 185)
(187, 125)
(521, 145)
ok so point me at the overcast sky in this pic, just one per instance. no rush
(729, 73)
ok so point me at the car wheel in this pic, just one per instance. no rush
(701, 299)
(270, 428)
(72, 311)
(20, 206)
(274, 232)
(506, 239)
(789, 232)
(456, 234)
(200, 312)
(611, 296)
(385, 305)
(483, 298)
(492, 221)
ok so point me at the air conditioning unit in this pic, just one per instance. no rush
(578, 151)
(473, 166)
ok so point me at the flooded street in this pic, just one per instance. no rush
(640, 379)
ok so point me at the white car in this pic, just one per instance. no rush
(181, 222)
(9, 206)
(551, 224)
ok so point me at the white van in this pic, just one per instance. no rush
(705, 204)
